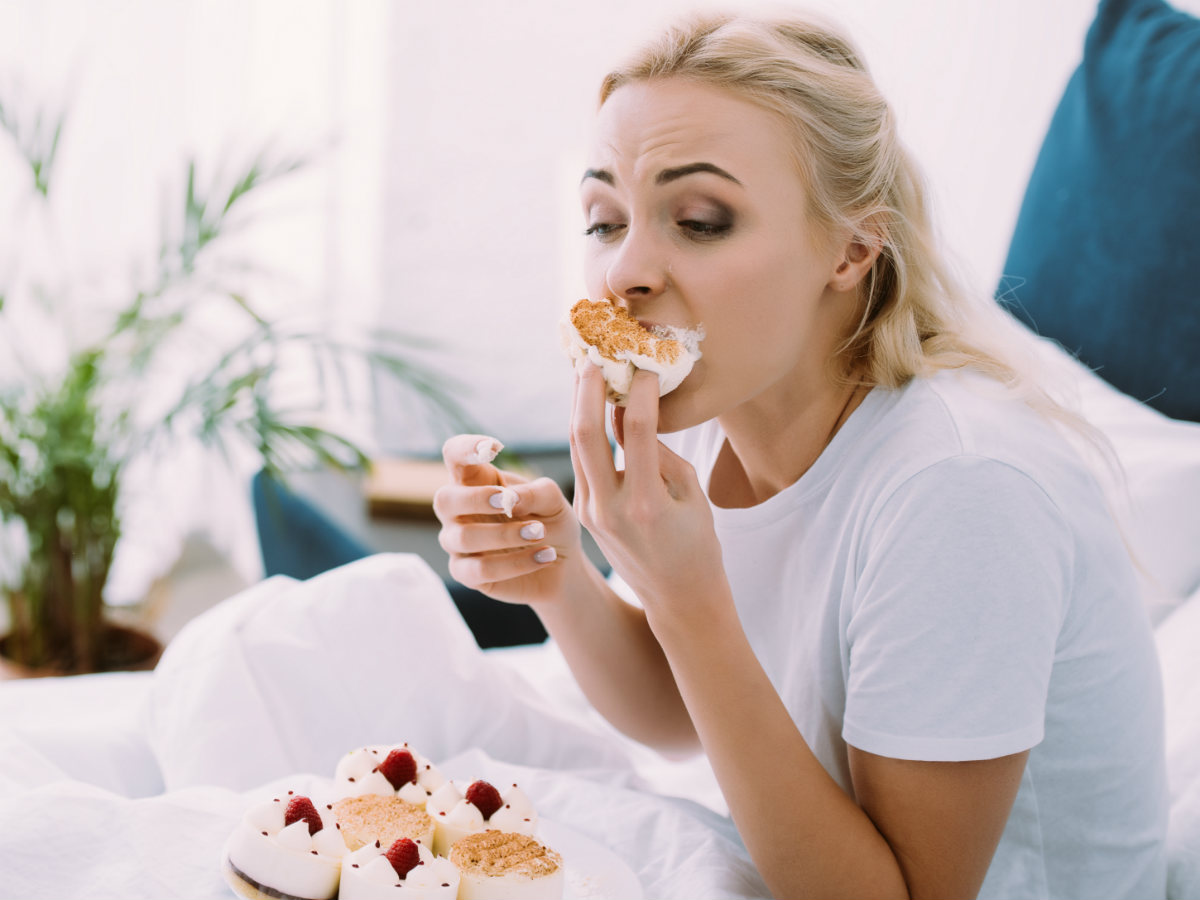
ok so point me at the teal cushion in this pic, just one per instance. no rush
(1105, 258)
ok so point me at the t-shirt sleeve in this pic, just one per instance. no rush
(962, 583)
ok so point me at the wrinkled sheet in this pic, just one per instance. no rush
(135, 791)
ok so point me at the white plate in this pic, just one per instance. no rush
(593, 871)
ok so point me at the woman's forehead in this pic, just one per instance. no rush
(647, 126)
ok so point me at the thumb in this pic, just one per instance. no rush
(678, 475)
(469, 459)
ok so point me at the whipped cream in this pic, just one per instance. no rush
(286, 858)
(455, 817)
(367, 875)
(620, 346)
(485, 451)
(358, 773)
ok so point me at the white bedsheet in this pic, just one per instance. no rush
(128, 785)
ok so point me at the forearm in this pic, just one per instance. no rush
(618, 662)
(805, 834)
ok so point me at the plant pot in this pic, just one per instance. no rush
(125, 649)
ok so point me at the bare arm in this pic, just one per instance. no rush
(912, 829)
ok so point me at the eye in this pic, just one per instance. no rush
(705, 230)
(603, 230)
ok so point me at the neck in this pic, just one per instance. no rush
(769, 449)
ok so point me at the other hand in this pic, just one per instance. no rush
(522, 558)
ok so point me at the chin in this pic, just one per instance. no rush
(679, 410)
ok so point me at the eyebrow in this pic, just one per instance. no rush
(666, 176)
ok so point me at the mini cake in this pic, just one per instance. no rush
(500, 866)
(394, 770)
(286, 847)
(371, 818)
(458, 813)
(608, 336)
(405, 871)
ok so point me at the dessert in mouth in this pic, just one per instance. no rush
(404, 871)
(457, 813)
(608, 336)
(498, 866)
(287, 847)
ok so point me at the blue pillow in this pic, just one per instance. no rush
(1105, 258)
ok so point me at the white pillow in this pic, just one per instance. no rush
(1177, 638)
(1159, 502)
(288, 675)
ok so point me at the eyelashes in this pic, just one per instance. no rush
(693, 229)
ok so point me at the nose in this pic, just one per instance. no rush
(639, 268)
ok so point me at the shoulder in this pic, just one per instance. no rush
(965, 434)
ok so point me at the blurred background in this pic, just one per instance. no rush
(443, 144)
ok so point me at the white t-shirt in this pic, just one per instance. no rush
(945, 584)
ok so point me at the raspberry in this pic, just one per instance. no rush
(485, 797)
(302, 808)
(403, 856)
(399, 768)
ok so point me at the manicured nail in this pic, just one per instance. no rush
(505, 499)
(545, 555)
(534, 531)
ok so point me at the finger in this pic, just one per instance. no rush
(678, 474)
(453, 501)
(468, 538)
(469, 459)
(540, 498)
(640, 426)
(579, 488)
(591, 452)
(483, 572)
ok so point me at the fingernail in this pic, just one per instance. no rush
(534, 531)
(505, 499)
(545, 555)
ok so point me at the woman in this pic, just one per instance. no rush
(877, 588)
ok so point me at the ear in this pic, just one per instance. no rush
(857, 257)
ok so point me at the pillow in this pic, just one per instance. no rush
(1105, 253)
(1177, 639)
(1158, 491)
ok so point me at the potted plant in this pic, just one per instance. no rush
(71, 427)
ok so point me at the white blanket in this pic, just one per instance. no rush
(136, 796)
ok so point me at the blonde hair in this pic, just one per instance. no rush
(916, 317)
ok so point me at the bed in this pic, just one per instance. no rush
(128, 784)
